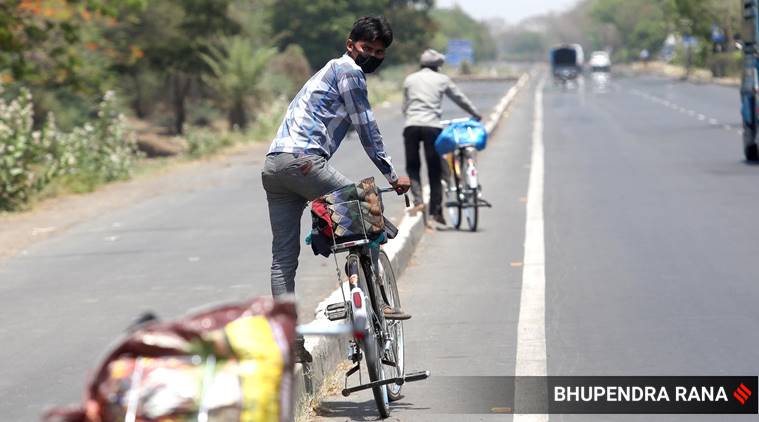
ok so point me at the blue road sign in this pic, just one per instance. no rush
(459, 51)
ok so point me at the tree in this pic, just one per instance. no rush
(55, 48)
(412, 29)
(322, 26)
(171, 37)
(454, 23)
(237, 68)
(522, 44)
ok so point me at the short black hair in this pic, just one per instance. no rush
(372, 28)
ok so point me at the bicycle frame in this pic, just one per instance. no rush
(464, 154)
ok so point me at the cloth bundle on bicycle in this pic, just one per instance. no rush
(349, 213)
(231, 363)
(459, 134)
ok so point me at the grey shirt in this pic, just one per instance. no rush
(423, 98)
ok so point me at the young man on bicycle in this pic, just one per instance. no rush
(423, 106)
(317, 120)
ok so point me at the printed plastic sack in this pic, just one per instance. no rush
(352, 212)
(231, 363)
(468, 133)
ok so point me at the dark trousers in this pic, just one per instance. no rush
(412, 137)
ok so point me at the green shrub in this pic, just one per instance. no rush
(287, 72)
(203, 141)
(27, 161)
(267, 122)
(96, 152)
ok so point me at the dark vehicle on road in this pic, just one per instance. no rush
(566, 63)
(749, 83)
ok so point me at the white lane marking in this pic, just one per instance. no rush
(531, 329)
(674, 106)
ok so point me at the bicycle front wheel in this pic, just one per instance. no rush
(472, 192)
(453, 193)
(373, 346)
(395, 354)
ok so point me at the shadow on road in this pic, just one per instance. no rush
(361, 411)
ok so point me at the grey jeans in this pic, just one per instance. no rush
(290, 181)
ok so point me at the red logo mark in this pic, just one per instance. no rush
(742, 393)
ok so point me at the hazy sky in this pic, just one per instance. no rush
(511, 10)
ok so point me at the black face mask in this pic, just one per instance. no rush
(367, 63)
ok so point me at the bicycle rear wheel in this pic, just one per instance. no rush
(396, 352)
(372, 345)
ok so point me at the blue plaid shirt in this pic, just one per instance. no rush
(320, 115)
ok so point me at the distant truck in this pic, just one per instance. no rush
(566, 62)
(749, 82)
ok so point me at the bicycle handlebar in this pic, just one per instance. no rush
(405, 196)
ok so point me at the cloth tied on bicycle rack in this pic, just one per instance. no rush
(349, 213)
(459, 134)
(229, 363)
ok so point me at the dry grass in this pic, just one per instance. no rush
(332, 386)
(679, 72)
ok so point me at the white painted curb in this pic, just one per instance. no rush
(495, 116)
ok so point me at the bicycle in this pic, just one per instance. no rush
(372, 285)
(464, 196)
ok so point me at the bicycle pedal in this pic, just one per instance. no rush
(389, 363)
(336, 311)
(416, 376)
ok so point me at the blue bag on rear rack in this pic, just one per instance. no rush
(468, 133)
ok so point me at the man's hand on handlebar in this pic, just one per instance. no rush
(402, 185)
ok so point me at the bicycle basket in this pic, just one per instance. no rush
(349, 213)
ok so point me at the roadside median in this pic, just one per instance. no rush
(329, 352)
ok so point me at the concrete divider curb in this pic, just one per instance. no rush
(495, 116)
(328, 352)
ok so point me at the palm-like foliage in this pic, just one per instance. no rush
(237, 69)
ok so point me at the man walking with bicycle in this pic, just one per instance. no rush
(317, 120)
(423, 106)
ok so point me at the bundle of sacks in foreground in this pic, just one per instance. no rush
(231, 363)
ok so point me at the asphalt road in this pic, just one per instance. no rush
(65, 299)
(650, 253)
